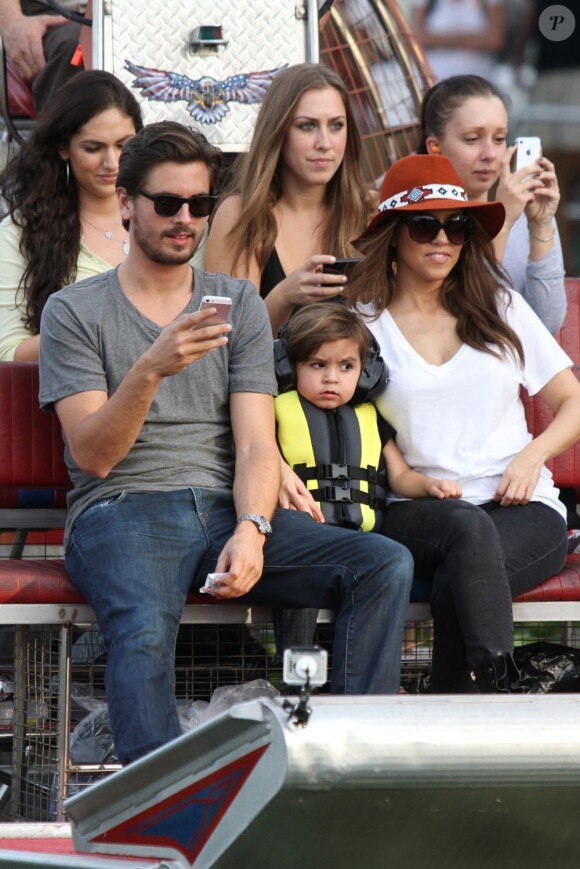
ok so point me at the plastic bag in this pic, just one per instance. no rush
(221, 699)
(548, 668)
(92, 739)
(6, 689)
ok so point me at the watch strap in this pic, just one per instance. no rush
(260, 522)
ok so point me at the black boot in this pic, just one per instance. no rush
(497, 674)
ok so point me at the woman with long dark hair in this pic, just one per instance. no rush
(63, 222)
(459, 345)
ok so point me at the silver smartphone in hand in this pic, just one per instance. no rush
(223, 306)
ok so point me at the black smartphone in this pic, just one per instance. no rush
(341, 266)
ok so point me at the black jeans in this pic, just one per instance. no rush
(477, 558)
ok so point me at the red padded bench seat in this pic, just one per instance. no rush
(563, 586)
(36, 583)
(37, 591)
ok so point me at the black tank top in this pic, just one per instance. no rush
(272, 274)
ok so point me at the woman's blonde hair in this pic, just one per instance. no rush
(259, 174)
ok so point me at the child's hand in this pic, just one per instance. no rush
(294, 495)
(444, 489)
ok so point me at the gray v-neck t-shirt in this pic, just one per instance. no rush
(91, 335)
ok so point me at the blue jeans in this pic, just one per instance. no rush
(475, 558)
(136, 556)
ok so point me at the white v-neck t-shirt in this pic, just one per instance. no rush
(464, 420)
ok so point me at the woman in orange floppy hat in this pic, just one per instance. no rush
(459, 345)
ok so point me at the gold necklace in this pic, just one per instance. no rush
(108, 233)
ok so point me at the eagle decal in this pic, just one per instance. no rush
(207, 98)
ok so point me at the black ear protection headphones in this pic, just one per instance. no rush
(373, 376)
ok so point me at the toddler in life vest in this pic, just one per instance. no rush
(329, 366)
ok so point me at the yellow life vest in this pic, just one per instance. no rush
(338, 455)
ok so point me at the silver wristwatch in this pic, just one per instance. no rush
(260, 522)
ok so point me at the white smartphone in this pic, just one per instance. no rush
(223, 306)
(529, 151)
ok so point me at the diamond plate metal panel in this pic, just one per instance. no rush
(262, 35)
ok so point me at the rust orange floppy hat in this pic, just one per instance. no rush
(428, 182)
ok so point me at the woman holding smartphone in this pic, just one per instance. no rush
(465, 118)
(298, 199)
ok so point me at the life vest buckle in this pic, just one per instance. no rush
(334, 472)
(334, 493)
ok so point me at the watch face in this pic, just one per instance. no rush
(263, 525)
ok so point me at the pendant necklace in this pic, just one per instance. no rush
(108, 233)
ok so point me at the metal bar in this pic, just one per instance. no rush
(198, 614)
(63, 716)
(97, 35)
(312, 32)
(19, 715)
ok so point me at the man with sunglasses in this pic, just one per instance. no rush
(152, 402)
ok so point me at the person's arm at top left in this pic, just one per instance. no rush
(256, 484)
(22, 36)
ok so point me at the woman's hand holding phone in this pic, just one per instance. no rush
(342, 266)
(516, 189)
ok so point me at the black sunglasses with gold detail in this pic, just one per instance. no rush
(424, 228)
(168, 204)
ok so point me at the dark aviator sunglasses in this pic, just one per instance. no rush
(424, 228)
(168, 204)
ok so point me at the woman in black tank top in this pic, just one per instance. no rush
(298, 198)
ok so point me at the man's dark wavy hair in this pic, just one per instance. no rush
(164, 142)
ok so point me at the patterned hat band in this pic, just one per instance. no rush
(424, 194)
(413, 177)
